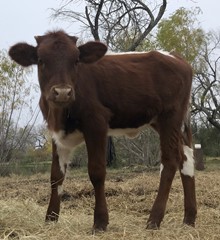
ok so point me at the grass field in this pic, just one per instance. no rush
(130, 194)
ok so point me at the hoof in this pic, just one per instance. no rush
(152, 226)
(101, 227)
(189, 223)
(98, 230)
(53, 217)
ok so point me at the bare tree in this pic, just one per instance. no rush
(41, 136)
(15, 95)
(205, 97)
(106, 20)
(142, 150)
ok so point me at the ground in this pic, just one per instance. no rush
(130, 195)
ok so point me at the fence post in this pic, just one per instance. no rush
(199, 159)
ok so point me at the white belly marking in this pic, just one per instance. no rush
(128, 132)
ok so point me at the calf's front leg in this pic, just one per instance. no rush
(58, 170)
(96, 147)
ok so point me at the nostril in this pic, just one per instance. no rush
(56, 91)
(69, 92)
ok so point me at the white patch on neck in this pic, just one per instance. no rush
(188, 165)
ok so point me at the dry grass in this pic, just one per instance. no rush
(23, 202)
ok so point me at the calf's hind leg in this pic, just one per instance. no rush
(188, 182)
(170, 157)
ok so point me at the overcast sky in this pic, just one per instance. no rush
(20, 20)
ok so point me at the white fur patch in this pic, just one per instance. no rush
(166, 53)
(188, 165)
(65, 146)
(123, 53)
(67, 141)
(60, 189)
(161, 168)
(128, 132)
(64, 157)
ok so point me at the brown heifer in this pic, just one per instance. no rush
(87, 95)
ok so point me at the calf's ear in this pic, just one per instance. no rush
(91, 52)
(24, 54)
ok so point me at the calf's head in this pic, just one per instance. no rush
(57, 58)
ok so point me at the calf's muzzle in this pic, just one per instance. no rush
(61, 94)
